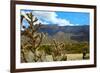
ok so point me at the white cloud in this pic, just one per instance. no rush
(43, 22)
(51, 17)
(46, 17)
(62, 22)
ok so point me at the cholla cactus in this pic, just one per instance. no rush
(31, 32)
(58, 52)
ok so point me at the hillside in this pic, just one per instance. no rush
(66, 33)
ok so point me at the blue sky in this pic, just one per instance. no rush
(75, 17)
(60, 18)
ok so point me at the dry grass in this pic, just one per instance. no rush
(69, 57)
(74, 56)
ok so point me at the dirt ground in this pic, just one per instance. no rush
(69, 57)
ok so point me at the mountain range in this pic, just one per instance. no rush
(76, 33)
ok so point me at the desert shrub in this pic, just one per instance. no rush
(77, 47)
(46, 48)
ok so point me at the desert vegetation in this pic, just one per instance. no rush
(38, 46)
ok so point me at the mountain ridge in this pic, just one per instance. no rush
(78, 33)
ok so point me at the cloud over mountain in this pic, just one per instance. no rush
(51, 18)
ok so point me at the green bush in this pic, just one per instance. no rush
(77, 47)
(70, 48)
(46, 48)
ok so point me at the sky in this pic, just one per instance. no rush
(59, 18)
